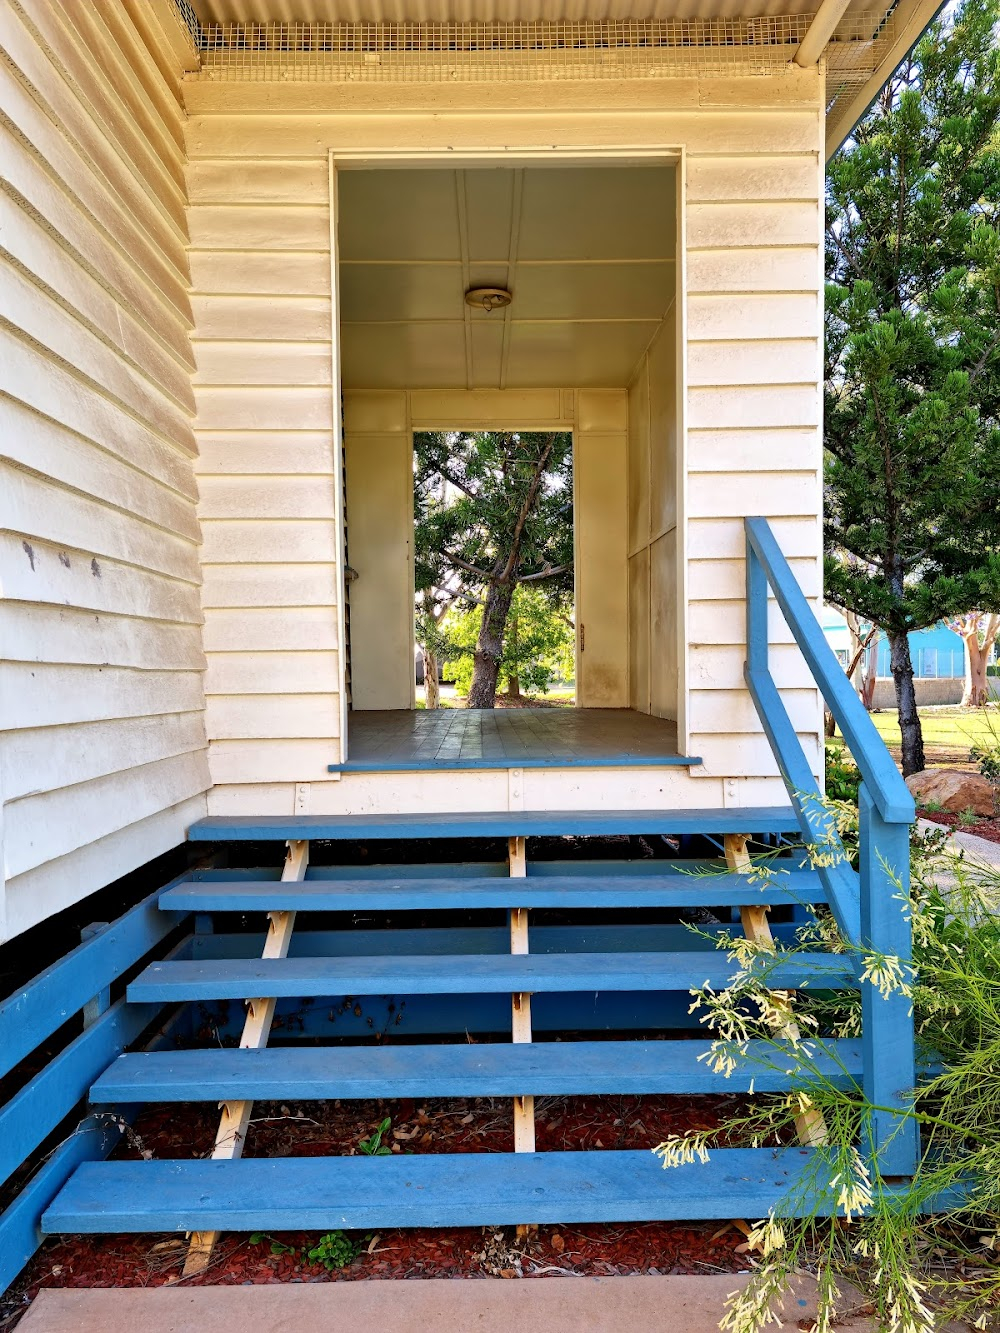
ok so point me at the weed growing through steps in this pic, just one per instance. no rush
(334, 1250)
(922, 1252)
(374, 1144)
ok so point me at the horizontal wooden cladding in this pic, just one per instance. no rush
(86, 193)
(269, 318)
(752, 317)
(719, 494)
(33, 507)
(55, 393)
(771, 361)
(271, 673)
(702, 130)
(47, 448)
(36, 251)
(735, 756)
(723, 538)
(786, 450)
(43, 574)
(272, 542)
(44, 827)
(266, 272)
(42, 695)
(725, 580)
(283, 226)
(279, 363)
(749, 225)
(106, 260)
(54, 885)
(728, 712)
(255, 717)
(32, 632)
(289, 497)
(272, 585)
(265, 761)
(26, 307)
(294, 181)
(252, 408)
(273, 452)
(753, 405)
(271, 629)
(789, 87)
(32, 764)
(729, 272)
(713, 666)
(717, 621)
(754, 178)
(100, 78)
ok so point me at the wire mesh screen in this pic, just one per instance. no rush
(486, 52)
(430, 52)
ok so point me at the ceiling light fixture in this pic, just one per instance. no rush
(488, 298)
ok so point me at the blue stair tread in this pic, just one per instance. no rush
(501, 823)
(244, 979)
(550, 1069)
(669, 890)
(460, 1189)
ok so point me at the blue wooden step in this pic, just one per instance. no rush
(671, 889)
(550, 1069)
(243, 979)
(493, 824)
(460, 1189)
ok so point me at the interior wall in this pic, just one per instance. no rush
(102, 737)
(653, 484)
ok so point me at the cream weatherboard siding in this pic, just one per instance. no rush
(747, 418)
(103, 759)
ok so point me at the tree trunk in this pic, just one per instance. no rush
(906, 702)
(513, 680)
(829, 724)
(975, 692)
(432, 692)
(870, 676)
(489, 647)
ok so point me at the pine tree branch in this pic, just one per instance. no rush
(464, 564)
(547, 573)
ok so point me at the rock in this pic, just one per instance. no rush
(952, 790)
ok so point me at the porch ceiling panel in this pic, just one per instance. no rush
(588, 255)
(492, 11)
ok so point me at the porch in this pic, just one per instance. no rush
(403, 740)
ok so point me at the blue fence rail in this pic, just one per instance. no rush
(78, 983)
(871, 907)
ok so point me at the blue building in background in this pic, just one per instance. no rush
(938, 653)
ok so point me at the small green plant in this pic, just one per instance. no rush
(968, 818)
(842, 775)
(277, 1246)
(988, 759)
(335, 1250)
(374, 1145)
(933, 807)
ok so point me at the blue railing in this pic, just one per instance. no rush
(870, 907)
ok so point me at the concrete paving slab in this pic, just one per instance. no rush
(542, 1305)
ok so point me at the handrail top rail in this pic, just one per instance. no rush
(880, 774)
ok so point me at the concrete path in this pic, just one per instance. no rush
(489, 1305)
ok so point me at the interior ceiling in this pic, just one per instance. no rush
(587, 253)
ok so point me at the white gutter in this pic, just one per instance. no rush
(820, 31)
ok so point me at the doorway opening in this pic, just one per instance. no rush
(494, 602)
(511, 308)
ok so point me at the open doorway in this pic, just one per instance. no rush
(493, 569)
(580, 349)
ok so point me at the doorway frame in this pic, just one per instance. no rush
(445, 155)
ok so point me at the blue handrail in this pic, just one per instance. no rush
(871, 909)
(881, 776)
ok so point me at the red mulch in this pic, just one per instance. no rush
(474, 1125)
(982, 828)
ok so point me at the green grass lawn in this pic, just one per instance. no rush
(949, 733)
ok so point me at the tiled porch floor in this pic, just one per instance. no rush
(509, 738)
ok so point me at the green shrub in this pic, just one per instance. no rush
(842, 776)
(335, 1250)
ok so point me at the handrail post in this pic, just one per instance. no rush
(887, 1021)
(757, 646)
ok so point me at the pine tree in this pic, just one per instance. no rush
(494, 509)
(912, 525)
